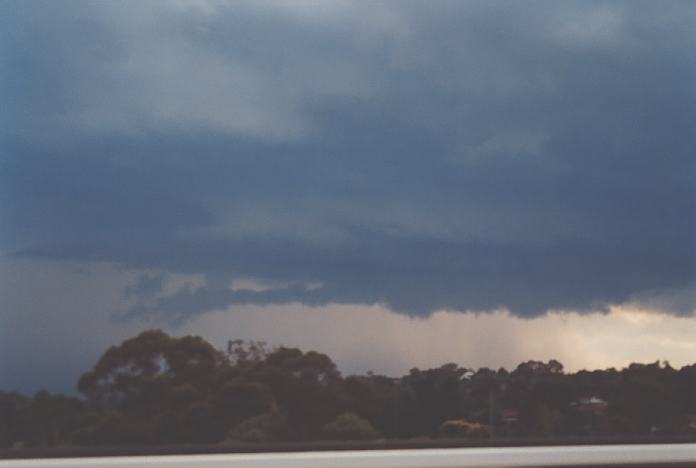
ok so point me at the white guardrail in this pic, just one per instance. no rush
(593, 455)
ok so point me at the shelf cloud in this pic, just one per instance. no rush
(461, 156)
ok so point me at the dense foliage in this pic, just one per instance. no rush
(158, 389)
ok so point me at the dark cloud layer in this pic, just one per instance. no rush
(467, 155)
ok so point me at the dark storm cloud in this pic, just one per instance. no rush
(460, 155)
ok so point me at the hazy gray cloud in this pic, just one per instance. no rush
(55, 321)
(462, 156)
(145, 286)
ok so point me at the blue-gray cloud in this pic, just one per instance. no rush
(466, 155)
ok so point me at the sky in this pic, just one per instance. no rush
(394, 183)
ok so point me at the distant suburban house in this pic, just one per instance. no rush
(510, 415)
(592, 404)
(692, 422)
(593, 413)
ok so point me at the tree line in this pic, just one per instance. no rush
(155, 389)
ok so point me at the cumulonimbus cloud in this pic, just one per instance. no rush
(425, 161)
